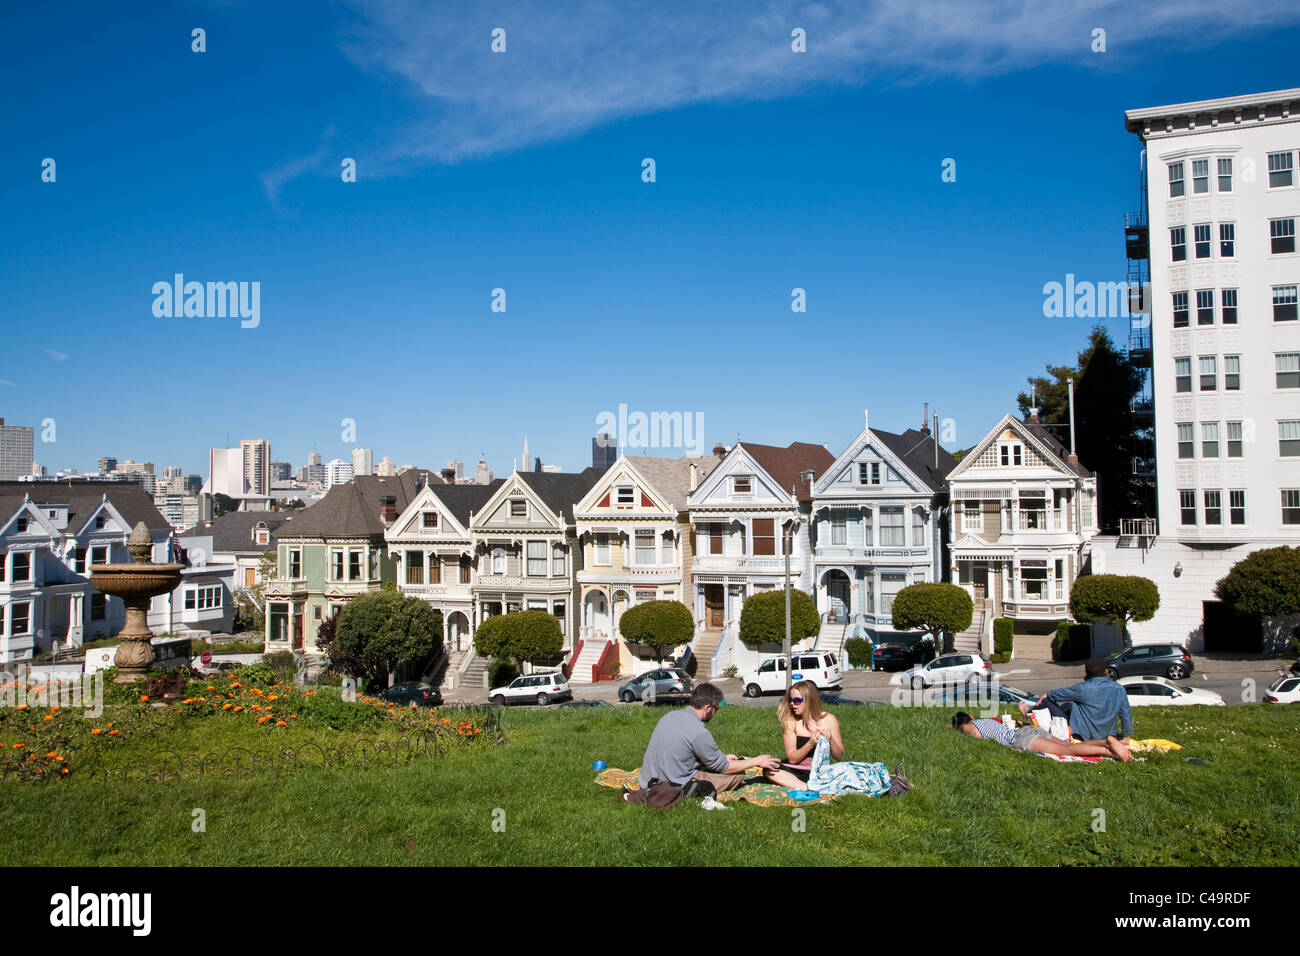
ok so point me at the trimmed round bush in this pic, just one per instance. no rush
(660, 625)
(762, 618)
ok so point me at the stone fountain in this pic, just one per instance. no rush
(136, 584)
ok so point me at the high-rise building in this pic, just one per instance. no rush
(313, 459)
(337, 472)
(386, 468)
(457, 466)
(256, 454)
(17, 445)
(604, 451)
(281, 471)
(107, 466)
(171, 471)
(482, 476)
(363, 461)
(1221, 198)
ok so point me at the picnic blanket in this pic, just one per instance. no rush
(1155, 745)
(754, 789)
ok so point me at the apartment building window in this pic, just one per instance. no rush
(1175, 180)
(1183, 374)
(1012, 454)
(918, 528)
(625, 495)
(98, 607)
(892, 529)
(464, 569)
(1209, 439)
(429, 519)
(20, 622)
(336, 565)
(1178, 243)
(537, 559)
(1200, 175)
(1288, 369)
(1234, 439)
(839, 530)
(415, 567)
(354, 565)
(22, 566)
(1227, 240)
(203, 599)
(764, 536)
(1180, 310)
(1288, 438)
(1187, 506)
(1186, 440)
(79, 560)
(1225, 175)
(435, 569)
(1201, 236)
(971, 517)
(518, 508)
(1237, 507)
(1291, 505)
(1205, 307)
(1280, 166)
(1213, 507)
(1209, 373)
(602, 549)
(557, 560)
(742, 485)
(499, 561)
(295, 563)
(99, 555)
(1284, 303)
(1281, 235)
(1228, 304)
(1231, 373)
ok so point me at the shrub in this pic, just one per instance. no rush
(732, 671)
(762, 618)
(1004, 632)
(1000, 658)
(283, 665)
(377, 631)
(1114, 599)
(501, 672)
(1073, 642)
(941, 609)
(858, 651)
(1266, 582)
(522, 636)
(259, 673)
(658, 624)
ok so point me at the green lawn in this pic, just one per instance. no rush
(974, 802)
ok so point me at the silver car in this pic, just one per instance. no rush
(662, 684)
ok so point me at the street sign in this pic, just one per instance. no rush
(206, 658)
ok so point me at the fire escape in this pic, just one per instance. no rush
(1137, 249)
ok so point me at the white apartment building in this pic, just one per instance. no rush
(337, 472)
(363, 461)
(1223, 194)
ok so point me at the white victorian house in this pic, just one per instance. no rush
(739, 514)
(635, 532)
(880, 516)
(1024, 516)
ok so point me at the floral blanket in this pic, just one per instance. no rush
(754, 790)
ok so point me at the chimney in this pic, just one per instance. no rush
(719, 450)
(1033, 416)
(1073, 459)
(925, 420)
(695, 476)
(866, 421)
(388, 509)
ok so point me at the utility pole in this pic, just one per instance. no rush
(788, 541)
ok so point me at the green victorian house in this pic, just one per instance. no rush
(332, 552)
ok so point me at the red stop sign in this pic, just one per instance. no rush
(206, 658)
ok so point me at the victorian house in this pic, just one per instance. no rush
(635, 533)
(740, 515)
(1024, 515)
(332, 552)
(526, 547)
(880, 516)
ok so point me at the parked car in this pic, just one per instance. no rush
(947, 669)
(1150, 660)
(891, 654)
(1284, 690)
(1006, 695)
(412, 692)
(662, 684)
(533, 688)
(820, 667)
(1148, 691)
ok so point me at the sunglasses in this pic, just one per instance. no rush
(796, 700)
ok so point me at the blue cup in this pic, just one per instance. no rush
(598, 765)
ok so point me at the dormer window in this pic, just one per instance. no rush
(22, 525)
(263, 537)
(100, 521)
(1012, 453)
(742, 485)
(625, 495)
(429, 519)
(518, 508)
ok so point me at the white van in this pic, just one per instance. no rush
(820, 667)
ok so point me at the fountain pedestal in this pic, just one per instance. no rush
(136, 584)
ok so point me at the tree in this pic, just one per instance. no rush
(1114, 599)
(1265, 582)
(1107, 435)
(762, 618)
(377, 631)
(222, 504)
(658, 624)
(522, 636)
(940, 609)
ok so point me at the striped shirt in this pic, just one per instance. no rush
(994, 730)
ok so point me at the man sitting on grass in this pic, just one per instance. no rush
(682, 751)
(1092, 706)
(1030, 738)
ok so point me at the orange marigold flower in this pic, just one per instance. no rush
(22, 707)
(96, 732)
(144, 697)
(53, 710)
(274, 697)
(64, 770)
(445, 720)
(210, 687)
(226, 706)
(310, 692)
(54, 754)
(239, 708)
(112, 732)
(293, 716)
(48, 717)
(19, 746)
(281, 723)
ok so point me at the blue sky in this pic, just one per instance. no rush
(522, 171)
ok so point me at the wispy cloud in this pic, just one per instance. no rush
(274, 179)
(568, 68)
(56, 354)
(5, 381)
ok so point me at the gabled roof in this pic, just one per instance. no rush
(233, 531)
(351, 509)
(787, 465)
(460, 500)
(668, 478)
(1036, 435)
(916, 451)
(561, 491)
(1056, 447)
(82, 496)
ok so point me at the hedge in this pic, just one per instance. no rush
(1073, 642)
(1003, 635)
(762, 618)
(858, 650)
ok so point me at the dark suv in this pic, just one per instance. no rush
(1150, 660)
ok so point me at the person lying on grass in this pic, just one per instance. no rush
(803, 723)
(1036, 739)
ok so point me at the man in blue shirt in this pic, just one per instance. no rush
(1096, 703)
